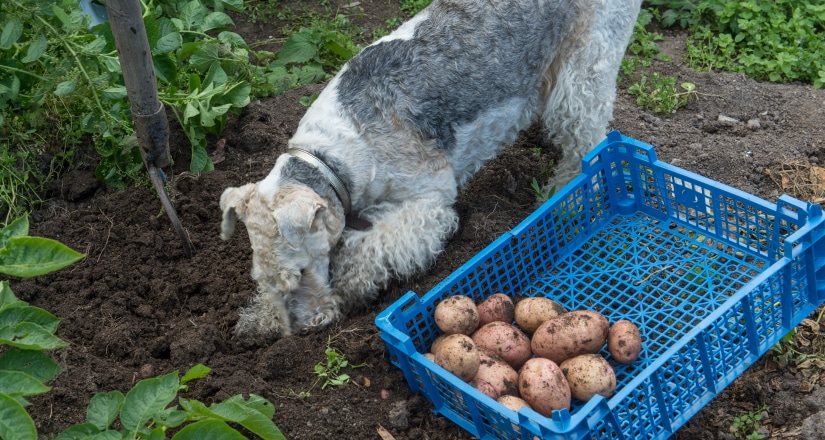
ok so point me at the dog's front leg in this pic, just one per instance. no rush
(264, 319)
(404, 239)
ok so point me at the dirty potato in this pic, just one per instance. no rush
(569, 335)
(588, 375)
(458, 354)
(624, 341)
(497, 307)
(505, 340)
(456, 315)
(497, 372)
(531, 312)
(542, 385)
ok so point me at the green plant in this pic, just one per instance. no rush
(147, 412)
(541, 194)
(26, 330)
(746, 426)
(660, 94)
(330, 373)
(781, 41)
(642, 47)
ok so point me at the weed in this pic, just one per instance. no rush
(746, 426)
(660, 95)
(541, 194)
(642, 48)
(330, 373)
(780, 41)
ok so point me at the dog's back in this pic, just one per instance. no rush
(466, 75)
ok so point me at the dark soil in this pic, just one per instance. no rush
(136, 306)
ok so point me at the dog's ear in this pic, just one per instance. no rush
(234, 202)
(296, 218)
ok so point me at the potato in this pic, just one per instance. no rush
(458, 354)
(430, 356)
(485, 387)
(497, 307)
(514, 403)
(456, 314)
(497, 372)
(624, 341)
(588, 375)
(569, 335)
(543, 386)
(531, 312)
(505, 340)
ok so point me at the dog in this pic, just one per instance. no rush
(365, 192)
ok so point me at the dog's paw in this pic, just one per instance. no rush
(258, 326)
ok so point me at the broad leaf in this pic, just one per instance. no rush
(200, 160)
(80, 431)
(36, 49)
(36, 315)
(66, 88)
(238, 95)
(145, 400)
(297, 49)
(33, 362)
(209, 429)
(33, 256)
(115, 92)
(7, 298)
(17, 228)
(197, 372)
(255, 402)
(15, 422)
(104, 408)
(12, 31)
(216, 20)
(168, 43)
(165, 68)
(30, 336)
(17, 383)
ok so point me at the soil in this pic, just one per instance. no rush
(136, 306)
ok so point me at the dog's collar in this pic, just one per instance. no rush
(337, 185)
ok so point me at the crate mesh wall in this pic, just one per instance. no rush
(696, 265)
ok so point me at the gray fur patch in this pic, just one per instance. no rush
(468, 56)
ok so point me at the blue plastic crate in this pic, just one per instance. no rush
(713, 277)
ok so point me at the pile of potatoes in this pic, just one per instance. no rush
(487, 345)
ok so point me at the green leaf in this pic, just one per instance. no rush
(232, 38)
(12, 31)
(104, 408)
(7, 298)
(17, 383)
(115, 92)
(36, 315)
(65, 88)
(168, 43)
(61, 15)
(79, 431)
(192, 14)
(246, 416)
(112, 64)
(197, 372)
(216, 75)
(209, 429)
(165, 68)
(33, 362)
(146, 399)
(95, 47)
(216, 20)
(15, 422)
(36, 49)
(238, 95)
(200, 160)
(30, 336)
(257, 403)
(297, 49)
(33, 256)
(17, 228)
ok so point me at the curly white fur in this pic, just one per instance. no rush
(403, 125)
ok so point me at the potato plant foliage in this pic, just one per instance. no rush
(145, 411)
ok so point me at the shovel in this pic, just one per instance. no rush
(148, 114)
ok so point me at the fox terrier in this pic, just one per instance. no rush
(365, 192)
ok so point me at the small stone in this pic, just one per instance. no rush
(147, 371)
(754, 124)
(727, 119)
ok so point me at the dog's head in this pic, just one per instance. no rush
(290, 229)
